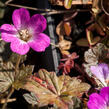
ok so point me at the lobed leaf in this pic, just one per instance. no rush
(50, 89)
(7, 75)
(21, 79)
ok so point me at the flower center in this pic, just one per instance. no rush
(24, 35)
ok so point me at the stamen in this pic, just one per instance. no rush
(24, 35)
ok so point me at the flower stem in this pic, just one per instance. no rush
(17, 65)
(5, 104)
(8, 1)
(81, 70)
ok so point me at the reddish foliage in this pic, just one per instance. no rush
(68, 62)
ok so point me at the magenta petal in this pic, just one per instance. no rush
(40, 42)
(20, 18)
(8, 32)
(105, 69)
(96, 102)
(37, 24)
(105, 94)
(101, 72)
(98, 72)
(19, 47)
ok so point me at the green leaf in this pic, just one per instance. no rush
(77, 104)
(50, 89)
(30, 98)
(6, 76)
(24, 73)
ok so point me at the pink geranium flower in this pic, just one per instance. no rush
(101, 71)
(99, 101)
(26, 32)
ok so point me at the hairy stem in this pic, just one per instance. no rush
(81, 70)
(17, 65)
(9, 95)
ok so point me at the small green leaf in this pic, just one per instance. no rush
(30, 98)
